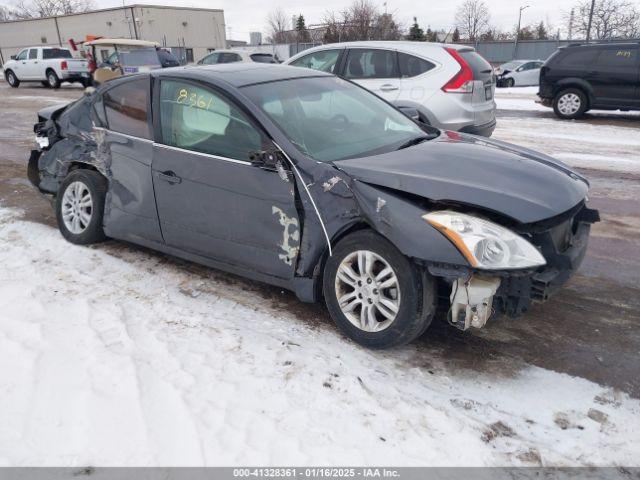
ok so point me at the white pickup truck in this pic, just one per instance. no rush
(48, 65)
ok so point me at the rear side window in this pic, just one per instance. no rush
(365, 63)
(126, 108)
(579, 58)
(618, 57)
(49, 53)
(33, 54)
(324, 60)
(479, 65)
(411, 66)
(262, 58)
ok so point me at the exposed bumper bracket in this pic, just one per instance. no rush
(471, 301)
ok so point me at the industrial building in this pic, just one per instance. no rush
(190, 32)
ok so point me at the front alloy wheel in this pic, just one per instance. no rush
(376, 295)
(368, 291)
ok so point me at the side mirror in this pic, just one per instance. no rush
(13, 57)
(268, 159)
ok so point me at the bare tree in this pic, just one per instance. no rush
(49, 8)
(278, 25)
(611, 19)
(5, 14)
(472, 19)
(361, 21)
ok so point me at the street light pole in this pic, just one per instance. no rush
(515, 49)
(593, 5)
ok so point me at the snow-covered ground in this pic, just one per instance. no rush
(591, 142)
(113, 356)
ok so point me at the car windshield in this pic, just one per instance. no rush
(329, 119)
(510, 65)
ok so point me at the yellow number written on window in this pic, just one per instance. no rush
(192, 99)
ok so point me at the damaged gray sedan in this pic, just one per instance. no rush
(306, 181)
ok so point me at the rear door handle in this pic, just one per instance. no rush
(387, 87)
(169, 177)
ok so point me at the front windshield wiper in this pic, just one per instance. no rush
(416, 140)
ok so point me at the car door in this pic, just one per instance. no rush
(614, 76)
(31, 70)
(20, 67)
(126, 150)
(212, 201)
(525, 74)
(375, 69)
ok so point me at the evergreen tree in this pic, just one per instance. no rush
(455, 38)
(541, 32)
(415, 32)
(301, 29)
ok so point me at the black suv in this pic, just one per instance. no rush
(577, 78)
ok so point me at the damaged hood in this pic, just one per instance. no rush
(517, 182)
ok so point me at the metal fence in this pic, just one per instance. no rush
(504, 51)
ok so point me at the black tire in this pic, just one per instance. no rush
(96, 184)
(45, 84)
(509, 83)
(11, 78)
(570, 93)
(417, 299)
(52, 79)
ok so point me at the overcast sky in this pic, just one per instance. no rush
(244, 16)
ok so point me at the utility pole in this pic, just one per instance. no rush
(571, 20)
(515, 48)
(593, 6)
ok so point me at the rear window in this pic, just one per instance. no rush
(49, 53)
(479, 65)
(139, 57)
(262, 58)
(579, 58)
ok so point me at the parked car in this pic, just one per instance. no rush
(232, 56)
(167, 59)
(122, 56)
(47, 65)
(519, 73)
(446, 86)
(578, 78)
(309, 182)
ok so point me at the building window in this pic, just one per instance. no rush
(189, 53)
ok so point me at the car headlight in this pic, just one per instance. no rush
(485, 244)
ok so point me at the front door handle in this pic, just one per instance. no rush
(169, 177)
(387, 87)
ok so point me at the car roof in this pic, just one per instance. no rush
(241, 74)
(122, 41)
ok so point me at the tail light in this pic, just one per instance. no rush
(461, 82)
(63, 65)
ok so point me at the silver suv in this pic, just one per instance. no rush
(448, 86)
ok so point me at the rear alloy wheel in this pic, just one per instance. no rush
(52, 79)
(570, 103)
(375, 295)
(12, 79)
(80, 207)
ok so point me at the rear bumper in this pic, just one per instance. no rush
(484, 130)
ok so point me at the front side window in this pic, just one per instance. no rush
(22, 55)
(197, 118)
(126, 108)
(365, 63)
(331, 119)
(324, 60)
(210, 59)
(228, 57)
(411, 66)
